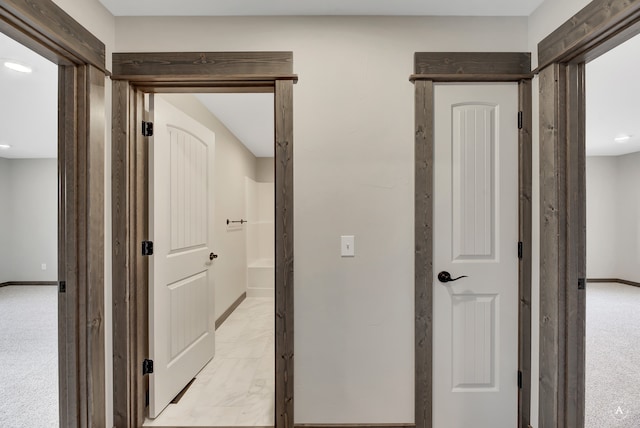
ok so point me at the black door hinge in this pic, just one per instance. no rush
(519, 379)
(520, 119)
(62, 286)
(520, 249)
(147, 248)
(582, 283)
(147, 129)
(147, 367)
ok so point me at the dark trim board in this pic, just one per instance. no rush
(222, 318)
(45, 28)
(355, 425)
(597, 28)
(179, 72)
(615, 280)
(433, 67)
(9, 283)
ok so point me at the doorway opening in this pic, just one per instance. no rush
(28, 237)
(79, 188)
(135, 75)
(212, 200)
(613, 233)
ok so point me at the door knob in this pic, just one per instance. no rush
(213, 256)
(445, 276)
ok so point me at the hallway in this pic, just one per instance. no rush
(237, 387)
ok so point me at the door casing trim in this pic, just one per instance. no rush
(189, 72)
(597, 28)
(430, 67)
(45, 28)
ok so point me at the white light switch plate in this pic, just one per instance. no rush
(347, 246)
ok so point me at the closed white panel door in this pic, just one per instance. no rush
(475, 339)
(181, 314)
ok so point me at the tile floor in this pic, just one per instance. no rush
(237, 387)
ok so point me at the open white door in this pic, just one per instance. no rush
(475, 339)
(181, 311)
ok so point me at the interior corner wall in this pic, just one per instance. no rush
(603, 211)
(33, 219)
(5, 221)
(233, 162)
(265, 170)
(627, 208)
(353, 173)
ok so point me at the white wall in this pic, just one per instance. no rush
(233, 162)
(33, 214)
(265, 170)
(603, 210)
(353, 129)
(613, 217)
(5, 221)
(28, 219)
(629, 217)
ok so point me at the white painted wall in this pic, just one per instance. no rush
(628, 218)
(353, 128)
(34, 219)
(265, 172)
(233, 162)
(28, 219)
(603, 210)
(613, 217)
(5, 220)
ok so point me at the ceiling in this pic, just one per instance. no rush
(613, 107)
(326, 7)
(248, 116)
(29, 107)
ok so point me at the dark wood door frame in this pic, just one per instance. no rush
(429, 68)
(48, 30)
(139, 73)
(599, 27)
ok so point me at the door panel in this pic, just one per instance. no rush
(476, 231)
(181, 314)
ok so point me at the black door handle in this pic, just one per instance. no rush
(213, 256)
(445, 276)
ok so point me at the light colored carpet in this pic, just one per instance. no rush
(28, 357)
(613, 356)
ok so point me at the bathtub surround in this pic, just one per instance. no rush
(259, 205)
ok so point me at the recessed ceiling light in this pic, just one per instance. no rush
(17, 67)
(622, 138)
(4, 146)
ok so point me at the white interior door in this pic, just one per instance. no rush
(475, 339)
(181, 310)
